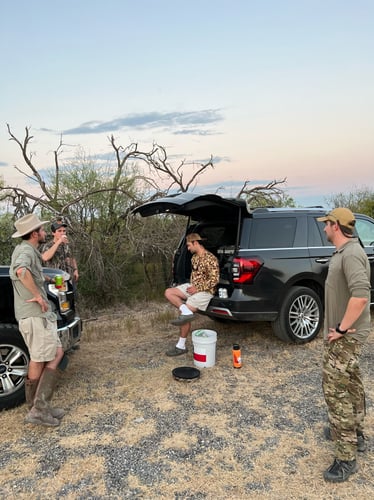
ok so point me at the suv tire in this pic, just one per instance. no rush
(14, 363)
(300, 317)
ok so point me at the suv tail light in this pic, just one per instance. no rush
(245, 270)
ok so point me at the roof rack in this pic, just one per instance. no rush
(316, 208)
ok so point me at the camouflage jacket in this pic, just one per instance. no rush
(62, 259)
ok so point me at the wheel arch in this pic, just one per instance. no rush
(308, 282)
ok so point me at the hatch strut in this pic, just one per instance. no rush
(237, 244)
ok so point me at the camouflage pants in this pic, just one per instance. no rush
(344, 394)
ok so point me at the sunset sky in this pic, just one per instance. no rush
(270, 88)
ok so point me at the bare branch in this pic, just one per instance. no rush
(272, 186)
(56, 154)
(21, 200)
(157, 164)
(28, 157)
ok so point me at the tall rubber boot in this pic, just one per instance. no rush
(30, 390)
(40, 412)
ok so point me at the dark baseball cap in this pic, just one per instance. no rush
(57, 224)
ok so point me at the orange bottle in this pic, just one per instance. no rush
(236, 356)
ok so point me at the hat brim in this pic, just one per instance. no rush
(19, 234)
(325, 218)
(57, 226)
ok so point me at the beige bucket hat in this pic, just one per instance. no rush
(27, 224)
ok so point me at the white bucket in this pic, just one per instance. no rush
(204, 348)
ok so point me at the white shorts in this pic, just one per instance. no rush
(41, 338)
(200, 300)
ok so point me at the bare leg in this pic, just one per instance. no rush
(175, 297)
(36, 367)
(35, 370)
(185, 330)
(55, 362)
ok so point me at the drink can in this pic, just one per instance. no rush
(59, 281)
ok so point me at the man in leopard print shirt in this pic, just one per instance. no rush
(195, 295)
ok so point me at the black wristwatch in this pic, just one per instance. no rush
(337, 329)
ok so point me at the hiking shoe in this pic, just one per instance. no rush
(361, 444)
(176, 351)
(183, 319)
(340, 470)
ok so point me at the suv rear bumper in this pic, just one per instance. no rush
(70, 334)
(242, 308)
(224, 313)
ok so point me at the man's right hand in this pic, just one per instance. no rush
(63, 239)
(39, 299)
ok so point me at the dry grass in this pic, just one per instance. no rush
(132, 431)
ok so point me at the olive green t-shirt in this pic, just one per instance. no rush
(348, 276)
(27, 256)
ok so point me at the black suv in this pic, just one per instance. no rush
(273, 262)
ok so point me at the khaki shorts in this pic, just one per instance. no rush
(41, 338)
(200, 300)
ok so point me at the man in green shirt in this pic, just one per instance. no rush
(347, 325)
(37, 323)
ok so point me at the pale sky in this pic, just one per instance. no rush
(270, 88)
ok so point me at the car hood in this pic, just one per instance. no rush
(198, 207)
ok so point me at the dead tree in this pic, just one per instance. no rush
(150, 170)
(159, 176)
(267, 195)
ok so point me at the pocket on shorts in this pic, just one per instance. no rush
(24, 325)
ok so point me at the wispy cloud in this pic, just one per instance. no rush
(182, 123)
(194, 131)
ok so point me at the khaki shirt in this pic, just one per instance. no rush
(27, 256)
(205, 272)
(348, 276)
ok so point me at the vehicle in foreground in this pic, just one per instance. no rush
(14, 355)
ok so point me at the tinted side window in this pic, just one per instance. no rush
(273, 233)
(321, 226)
(316, 236)
(365, 230)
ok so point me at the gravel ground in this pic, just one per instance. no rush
(132, 431)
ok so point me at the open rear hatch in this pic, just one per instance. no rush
(197, 207)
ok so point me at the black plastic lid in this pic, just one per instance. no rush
(186, 373)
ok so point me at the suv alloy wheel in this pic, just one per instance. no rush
(300, 317)
(14, 363)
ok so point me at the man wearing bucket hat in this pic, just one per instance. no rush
(195, 295)
(347, 325)
(37, 323)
